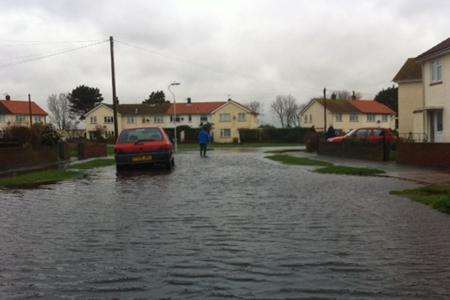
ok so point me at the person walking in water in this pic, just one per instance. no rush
(203, 139)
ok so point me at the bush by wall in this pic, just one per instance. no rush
(274, 135)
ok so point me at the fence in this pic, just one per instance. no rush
(423, 154)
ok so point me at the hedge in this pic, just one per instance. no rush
(274, 135)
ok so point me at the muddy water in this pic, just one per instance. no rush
(232, 225)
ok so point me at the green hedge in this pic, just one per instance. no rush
(274, 135)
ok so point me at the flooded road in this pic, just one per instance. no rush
(232, 225)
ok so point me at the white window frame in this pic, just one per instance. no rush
(2, 118)
(131, 120)
(204, 118)
(37, 119)
(384, 118)
(158, 119)
(436, 71)
(93, 119)
(222, 133)
(354, 117)
(371, 118)
(242, 117)
(108, 119)
(338, 117)
(225, 117)
(20, 118)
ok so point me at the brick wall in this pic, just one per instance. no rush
(350, 149)
(424, 154)
(20, 157)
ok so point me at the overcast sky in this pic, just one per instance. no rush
(251, 50)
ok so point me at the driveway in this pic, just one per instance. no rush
(231, 225)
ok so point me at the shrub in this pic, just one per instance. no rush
(37, 135)
(273, 135)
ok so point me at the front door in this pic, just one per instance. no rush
(438, 127)
(435, 126)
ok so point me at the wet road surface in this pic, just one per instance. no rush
(232, 225)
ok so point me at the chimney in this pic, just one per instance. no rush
(188, 100)
(7, 97)
(353, 95)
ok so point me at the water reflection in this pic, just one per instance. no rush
(232, 225)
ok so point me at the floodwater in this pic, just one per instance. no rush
(233, 225)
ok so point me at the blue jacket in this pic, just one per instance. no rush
(204, 137)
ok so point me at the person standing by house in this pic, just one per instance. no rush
(203, 139)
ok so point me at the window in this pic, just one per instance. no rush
(436, 71)
(353, 117)
(158, 119)
(94, 120)
(338, 117)
(20, 119)
(225, 118)
(140, 134)
(130, 120)
(109, 119)
(384, 118)
(225, 133)
(190, 118)
(204, 118)
(37, 119)
(362, 133)
(2, 118)
(241, 117)
(370, 118)
(310, 118)
(146, 120)
(305, 119)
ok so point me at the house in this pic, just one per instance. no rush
(17, 113)
(226, 117)
(346, 115)
(424, 95)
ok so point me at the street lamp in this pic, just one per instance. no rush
(174, 113)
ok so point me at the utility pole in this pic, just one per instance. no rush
(30, 112)
(324, 109)
(113, 81)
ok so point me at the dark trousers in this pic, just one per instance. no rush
(203, 148)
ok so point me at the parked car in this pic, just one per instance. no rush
(142, 146)
(373, 135)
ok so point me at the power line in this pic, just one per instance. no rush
(44, 56)
(35, 42)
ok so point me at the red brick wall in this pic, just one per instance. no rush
(424, 154)
(14, 158)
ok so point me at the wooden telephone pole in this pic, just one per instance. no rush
(30, 112)
(113, 81)
(324, 109)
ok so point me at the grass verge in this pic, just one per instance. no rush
(325, 167)
(96, 163)
(345, 170)
(300, 161)
(436, 196)
(34, 179)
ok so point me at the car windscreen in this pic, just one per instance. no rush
(140, 134)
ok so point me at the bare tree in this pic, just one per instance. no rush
(286, 110)
(60, 113)
(255, 106)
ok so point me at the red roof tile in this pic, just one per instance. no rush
(197, 108)
(19, 107)
(372, 107)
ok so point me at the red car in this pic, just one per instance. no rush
(373, 135)
(140, 146)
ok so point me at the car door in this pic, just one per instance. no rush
(362, 134)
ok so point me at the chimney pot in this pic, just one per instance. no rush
(189, 101)
(8, 97)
